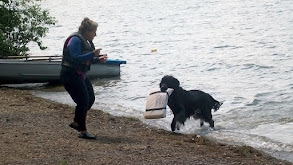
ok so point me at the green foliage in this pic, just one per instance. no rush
(21, 22)
(64, 162)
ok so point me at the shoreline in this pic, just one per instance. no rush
(35, 131)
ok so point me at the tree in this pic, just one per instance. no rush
(21, 22)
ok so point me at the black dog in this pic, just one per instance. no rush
(185, 104)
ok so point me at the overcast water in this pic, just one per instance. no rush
(239, 51)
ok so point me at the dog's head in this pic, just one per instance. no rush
(169, 82)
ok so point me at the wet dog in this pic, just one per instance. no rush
(185, 104)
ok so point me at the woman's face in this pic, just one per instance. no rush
(90, 35)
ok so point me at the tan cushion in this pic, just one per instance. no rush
(157, 103)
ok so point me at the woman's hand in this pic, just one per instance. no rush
(103, 58)
(97, 52)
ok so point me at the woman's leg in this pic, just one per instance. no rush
(91, 92)
(79, 95)
(77, 89)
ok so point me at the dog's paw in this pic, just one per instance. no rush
(178, 126)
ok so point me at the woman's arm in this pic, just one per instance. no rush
(74, 46)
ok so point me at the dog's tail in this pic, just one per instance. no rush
(217, 106)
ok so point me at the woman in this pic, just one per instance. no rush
(78, 54)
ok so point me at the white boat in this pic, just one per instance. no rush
(47, 69)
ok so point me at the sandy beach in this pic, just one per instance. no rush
(35, 131)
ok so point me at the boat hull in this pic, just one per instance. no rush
(19, 71)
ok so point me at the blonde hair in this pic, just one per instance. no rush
(87, 25)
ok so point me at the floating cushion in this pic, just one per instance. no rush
(157, 103)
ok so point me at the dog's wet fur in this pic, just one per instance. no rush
(192, 103)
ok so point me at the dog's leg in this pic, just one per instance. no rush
(207, 116)
(173, 124)
(201, 122)
(178, 126)
(177, 120)
(211, 122)
(198, 115)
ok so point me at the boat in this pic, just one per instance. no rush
(42, 69)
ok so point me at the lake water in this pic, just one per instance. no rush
(239, 51)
